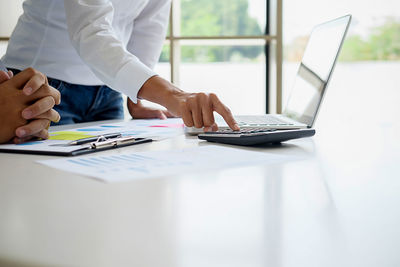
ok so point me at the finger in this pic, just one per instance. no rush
(50, 115)
(168, 114)
(212, 128)
(10, 74)
(39, 107)
(4, 76)
(148, 113)
(154, 113)
(197, 116)
(207, 112)
(23, 77)
(46, 90)
(44, 134)
(18, 140)
(224, 111)
(34, 83)
(187, 118)
(161, 115)
(32, 128)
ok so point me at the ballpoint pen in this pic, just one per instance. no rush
(94, 139)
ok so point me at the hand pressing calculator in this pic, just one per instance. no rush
(248, 137)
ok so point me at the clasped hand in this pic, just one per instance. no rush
(26, 106)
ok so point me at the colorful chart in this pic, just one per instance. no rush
(30, 143)
(175, 125)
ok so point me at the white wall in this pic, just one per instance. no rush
(10, 10)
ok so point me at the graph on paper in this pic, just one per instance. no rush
(152, 164)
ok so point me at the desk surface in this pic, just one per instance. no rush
(337, 207)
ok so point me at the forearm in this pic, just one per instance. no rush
(90, 25)
(159, 90)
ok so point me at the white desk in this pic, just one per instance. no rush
(338, 207)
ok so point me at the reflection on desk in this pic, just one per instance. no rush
(337, 207)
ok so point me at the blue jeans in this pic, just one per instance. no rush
(82, 103)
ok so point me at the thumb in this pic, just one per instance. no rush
(169, 114)
(161, 115)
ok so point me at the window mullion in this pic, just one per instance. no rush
(175, 48)
(279, 56)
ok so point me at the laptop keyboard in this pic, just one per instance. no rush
(243, 131)
(260, 121)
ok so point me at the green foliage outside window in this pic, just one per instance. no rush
(217, 18)
(383, 43)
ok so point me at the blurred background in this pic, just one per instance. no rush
(229, 46)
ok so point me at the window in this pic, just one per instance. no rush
(230, 47)
(226, 47)
(9, 13)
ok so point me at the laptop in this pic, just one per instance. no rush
(311, 82)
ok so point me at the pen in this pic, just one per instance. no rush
(93, 139)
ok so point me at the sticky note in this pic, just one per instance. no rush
(69, 135)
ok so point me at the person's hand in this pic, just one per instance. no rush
(139, 111)
(196, 109)
(5, 76)
(26, 113)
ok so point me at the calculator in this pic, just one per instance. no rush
(248, 137)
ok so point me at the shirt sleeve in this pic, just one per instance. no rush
(92, 35)
(149, 31)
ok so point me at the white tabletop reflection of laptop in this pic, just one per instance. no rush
(310, 84)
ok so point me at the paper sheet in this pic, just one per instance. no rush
(142, 165)
(45, 145)
(154, 129)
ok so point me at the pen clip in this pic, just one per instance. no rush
(101, 138)
(88, 140)
(115, 142)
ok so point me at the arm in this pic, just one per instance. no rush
(146, 41)
(26, 113)
(149, 31)
(92, 35)
(90, 28)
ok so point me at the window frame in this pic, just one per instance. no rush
(273, 49)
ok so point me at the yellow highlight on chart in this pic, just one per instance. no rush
(69, 135)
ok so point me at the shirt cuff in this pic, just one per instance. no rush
(131, 77)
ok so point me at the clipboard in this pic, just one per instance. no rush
(47, 147)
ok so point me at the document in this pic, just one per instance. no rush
(152, 164)
(154, 129)
(57, 144)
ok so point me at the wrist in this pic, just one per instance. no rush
(160, 91)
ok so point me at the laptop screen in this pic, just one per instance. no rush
(315, 70)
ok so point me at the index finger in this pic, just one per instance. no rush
(46, 90)
(224, 111)
(34, 83)
(22, 78)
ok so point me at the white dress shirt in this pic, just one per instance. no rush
(91, 42)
